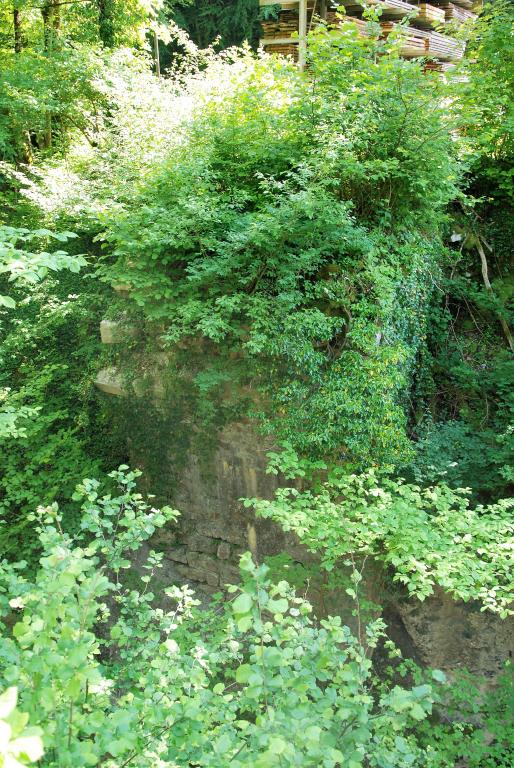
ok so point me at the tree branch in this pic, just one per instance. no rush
(489, 288)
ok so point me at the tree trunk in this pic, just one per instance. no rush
(46, 12)
(18, 34)
(156, 54)
(51, 14)
(489, 288)
(105, 23)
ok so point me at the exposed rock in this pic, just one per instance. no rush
(202, 562)
(195, 574)
(450, 635)
(110, 381)
(116, 332)
(223, 551)
(202, 543)
(177, 554)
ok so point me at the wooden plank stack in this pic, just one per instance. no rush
(285, 26)
(429, 15)
(415, 42)
(419, 39)
(457, 14)
(445, 48)
(391, 9)
(468, 4)
(334, 18)
(419, 42)
(439, 66)
(283, 49)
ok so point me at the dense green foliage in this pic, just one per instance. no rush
(131, 683)
(327, 253)
(51, 422)
(229, 21)
(303, 260)
(425, 536)
(114, 680)
(464, 394)
(18, 745)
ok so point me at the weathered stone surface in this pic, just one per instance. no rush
(450, 635)
(223, 551)
(165, 537)
(202, 562)
(229, 575)
(215, 528)
(116, 332)
(201, 543)
(220, 530)
(177, 554)
(195, 574)
(110, 381)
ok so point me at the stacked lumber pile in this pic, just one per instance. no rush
(455, 13)
(391, 9)
(445, 48)
(280, 35)
(283, 49)
(334, 18)
(285, 26)
(415, 42)
(438, 66)
(419, 42)
(429, 15)
(468, 4)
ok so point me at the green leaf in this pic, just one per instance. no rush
(6, 301)
(244, 623)
(277, 606)
(243, 673)
(242, 604)
(8, 701)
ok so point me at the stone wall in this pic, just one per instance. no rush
(215, 529)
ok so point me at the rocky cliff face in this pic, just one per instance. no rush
(215, 529)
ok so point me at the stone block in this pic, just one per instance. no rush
(195, 574)
(448, 634)
(200, 543)
(116, 332)
(223, 530)
(177, 554)
(229, 574)
(110, 381)
(202, 562)
(207, 589)
(165, 537)
(223, 551)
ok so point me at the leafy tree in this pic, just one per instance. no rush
(488, 112)
(52, 427)
(463, 395)
(53, 68)
(44, 99)
(229, 21)
(22, 266)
